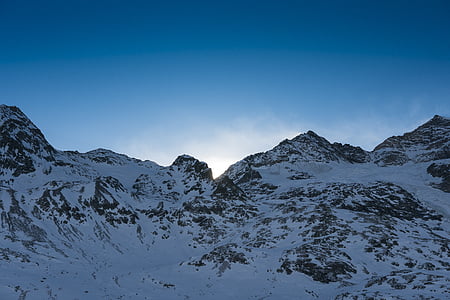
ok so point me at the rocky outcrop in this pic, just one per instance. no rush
(430, 141)
(22, 144)
(441, 170)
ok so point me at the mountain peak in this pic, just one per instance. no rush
(428, 142)
(20, 140)
(189, 164)
(183, 158)
(309, 135)
(438, 121)
(107, 156)
(305, 147)
(312, 133)
(9, 113)
(4, 107)
(436, 129)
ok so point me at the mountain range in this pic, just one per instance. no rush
(308, 219)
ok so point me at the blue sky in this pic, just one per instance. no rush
(223, 79)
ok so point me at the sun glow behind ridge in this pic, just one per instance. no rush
(223, 145)
(219, 165)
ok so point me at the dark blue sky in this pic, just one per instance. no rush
(222, 79)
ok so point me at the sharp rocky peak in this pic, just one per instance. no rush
(439, 121)
(193, 166)
(430, 141)
(184, 159)
(13, 119)
(307, 137)
(308, 147)
(20, 141)
(435, 130)
(9, 112)
(311, 135)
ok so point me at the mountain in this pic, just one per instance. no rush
(308, 219)
(23, 144)
(429, 142)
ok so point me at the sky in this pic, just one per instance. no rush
(220, 80)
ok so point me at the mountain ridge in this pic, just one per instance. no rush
(347, 152)
(308, 219)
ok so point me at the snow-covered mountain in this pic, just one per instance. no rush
(305, 220)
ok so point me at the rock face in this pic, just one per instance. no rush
(441, 170)
(22, 143)
(429, 142)
(307, 219)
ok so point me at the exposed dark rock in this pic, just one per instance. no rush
(390, 158)
(222, 257)
(330, 272)
(441, 170)
(242, 173)
(226, 189)
(351, 153)
(193, 166)
(21, 143)
(430, 141)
